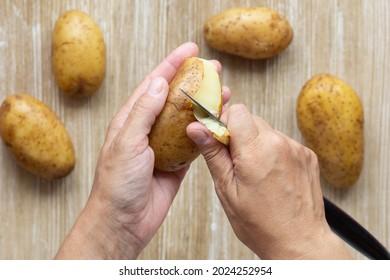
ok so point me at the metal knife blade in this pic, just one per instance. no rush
(202, 108)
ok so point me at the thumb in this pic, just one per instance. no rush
(216, 154)
(146, 109)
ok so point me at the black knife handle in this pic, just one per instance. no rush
(353, 233)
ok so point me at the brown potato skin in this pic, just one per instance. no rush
(36, 137)
(78, 54)
(330, 118)
(168, 138)
(254, 33)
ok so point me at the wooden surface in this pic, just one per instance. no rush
(350, 39)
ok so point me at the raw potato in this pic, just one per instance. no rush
(78, 54)
(330, 117)
(36, 137)
(254, 33)
(168, 138)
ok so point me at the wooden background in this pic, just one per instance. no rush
(350, 39)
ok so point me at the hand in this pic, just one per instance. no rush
(129, 199)
(269, 187)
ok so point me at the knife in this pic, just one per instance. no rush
(339, 221)
(353, 233)
(203, 108)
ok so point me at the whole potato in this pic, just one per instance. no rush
(254, 33)
(330, 118)
(36, 137)
(78, 54)
(168, 138)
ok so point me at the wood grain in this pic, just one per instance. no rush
(346, 38)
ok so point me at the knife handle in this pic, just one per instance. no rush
(353, 233)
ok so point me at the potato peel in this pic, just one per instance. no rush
(220, 132)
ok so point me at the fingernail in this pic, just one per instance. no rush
(155, 86)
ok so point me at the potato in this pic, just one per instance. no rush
(168, 138)
(254, 33)
(330, 118)
(36, 137)
(78, 54)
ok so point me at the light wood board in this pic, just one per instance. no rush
(347, 38)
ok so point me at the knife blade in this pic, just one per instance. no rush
(203, 108)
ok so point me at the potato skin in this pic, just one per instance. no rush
(78, 54)
(36, 137)
(254, 33)
(330, 118)
(168, 138)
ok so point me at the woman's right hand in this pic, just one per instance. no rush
(269, 187)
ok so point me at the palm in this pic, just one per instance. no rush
(158, 196)
(147, 194)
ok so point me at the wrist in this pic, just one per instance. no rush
(324, 245)
(327, 247)
(333, 248)
(96, 235)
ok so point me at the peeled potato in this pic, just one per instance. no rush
(36, 137)
(168, 138)
(330, 118)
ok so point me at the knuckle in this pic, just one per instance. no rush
(212, 154)
(314, 160)
(128, 148)
(113, 125)
(279, 142)
(141, 104)
(142, 115)
(214, 158)
(237, 108)
(310, 157)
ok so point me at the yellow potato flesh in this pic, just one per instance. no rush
(173, 149)
(210, 83)
(212, 102)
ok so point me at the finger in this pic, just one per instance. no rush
(218, 65)
(145, 111)
(167, 70)
(226, 94)
(216, 154)
(241, 126)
